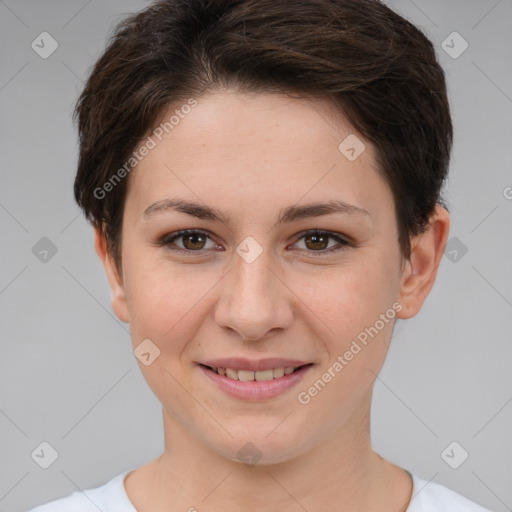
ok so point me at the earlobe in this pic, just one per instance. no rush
(118, 298)
(420, 270)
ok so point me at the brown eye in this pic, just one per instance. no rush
(192, 241)
(316, 242)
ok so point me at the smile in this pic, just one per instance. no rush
(248, 375)
(255, 384)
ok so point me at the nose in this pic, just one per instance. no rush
(254, 300)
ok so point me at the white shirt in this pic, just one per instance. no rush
(112, 497)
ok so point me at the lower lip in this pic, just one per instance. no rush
(256, 390)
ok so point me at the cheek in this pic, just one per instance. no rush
(164, 304)
(351, 298)
(166, 301)
(357, 306)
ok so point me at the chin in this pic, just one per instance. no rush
(259, 446)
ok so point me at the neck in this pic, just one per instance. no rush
(342, 470)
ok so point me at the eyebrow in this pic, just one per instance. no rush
(289, 214)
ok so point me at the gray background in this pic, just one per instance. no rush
(68, 374)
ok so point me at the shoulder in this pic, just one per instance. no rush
(76, 501)
(433, 497)
(109, 497)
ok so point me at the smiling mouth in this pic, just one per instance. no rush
(259, 376)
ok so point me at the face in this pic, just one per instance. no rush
(263, 281)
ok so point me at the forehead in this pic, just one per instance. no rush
(234, 147)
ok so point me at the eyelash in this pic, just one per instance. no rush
(168, 239)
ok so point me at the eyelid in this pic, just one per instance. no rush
(166, 240)
(339, 237)
(343, 241)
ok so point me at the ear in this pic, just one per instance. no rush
(117, 296)
(420, 270)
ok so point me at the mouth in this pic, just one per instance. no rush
(250, 375)
(255, 381)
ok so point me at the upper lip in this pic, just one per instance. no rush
(239, 363)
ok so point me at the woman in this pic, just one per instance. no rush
(264, 182)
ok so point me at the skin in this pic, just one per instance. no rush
(250, 155)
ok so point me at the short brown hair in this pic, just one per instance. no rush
(372, 64)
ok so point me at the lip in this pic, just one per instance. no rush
(256, 390)
(239, 363)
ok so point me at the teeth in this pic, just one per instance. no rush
(264, 375)
(278, 372)
(232, 374)
(245, 375)
(248, 375)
